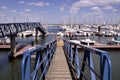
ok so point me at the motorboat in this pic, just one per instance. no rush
(75, 41)
(87, 42)
(25, 34)
(5, 41)
(114, 41)
(60, 34)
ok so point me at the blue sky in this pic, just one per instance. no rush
(60, 11)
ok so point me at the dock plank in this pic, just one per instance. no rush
(58, 69)
(4, 47)
(106, 46)
(103, 46)
(20, 52)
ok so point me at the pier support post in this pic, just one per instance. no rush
(12, 45)
(36, 34)
(99, 29)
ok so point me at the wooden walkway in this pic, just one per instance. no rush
(106, 46)
(103, 46)
(58, 69)
(20, 52)
(4, 47)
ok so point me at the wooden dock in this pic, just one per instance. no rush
(103, 46)
(4, 47)
(20, 52)
(106, 46)
(58, 69)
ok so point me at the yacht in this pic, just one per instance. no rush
(25, 34)
(75, 41)
(114, 41)
(5, 41)
(87, 42)
(60, 34)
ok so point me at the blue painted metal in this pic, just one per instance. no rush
(42, 60)
(80, 63)
(14, 28)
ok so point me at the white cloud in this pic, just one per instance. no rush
(108, 8)
(13, 11)
(38, 3)
(74, 10)
(62, 8)
(47, 3)
(4, 7)
(31, 3)
(24, 14)
(21, 2)
(87, 3)
(114, 10)
(97, 10)
(76, 6)
(27, 10)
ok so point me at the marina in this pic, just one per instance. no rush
(60, 40)
(116, 53)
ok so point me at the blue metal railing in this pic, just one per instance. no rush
(78, 63)
(40, 62)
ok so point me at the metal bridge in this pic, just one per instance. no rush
(52, 62)
(11, 30)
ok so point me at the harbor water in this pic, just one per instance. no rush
(11, 70)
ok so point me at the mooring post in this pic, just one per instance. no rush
(36, 34)
(99, 29)
(12, 45)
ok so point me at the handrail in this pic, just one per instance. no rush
(78, 63)
(43, 55)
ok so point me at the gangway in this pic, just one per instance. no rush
(8, 29)
(43, 67)
(11, 30)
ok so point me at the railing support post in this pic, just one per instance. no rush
(90, 62)
(42, 66)
(71, 54)
(77, 61)
(83, 64)
(106, 70)
(26, 71)
(37, 61)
